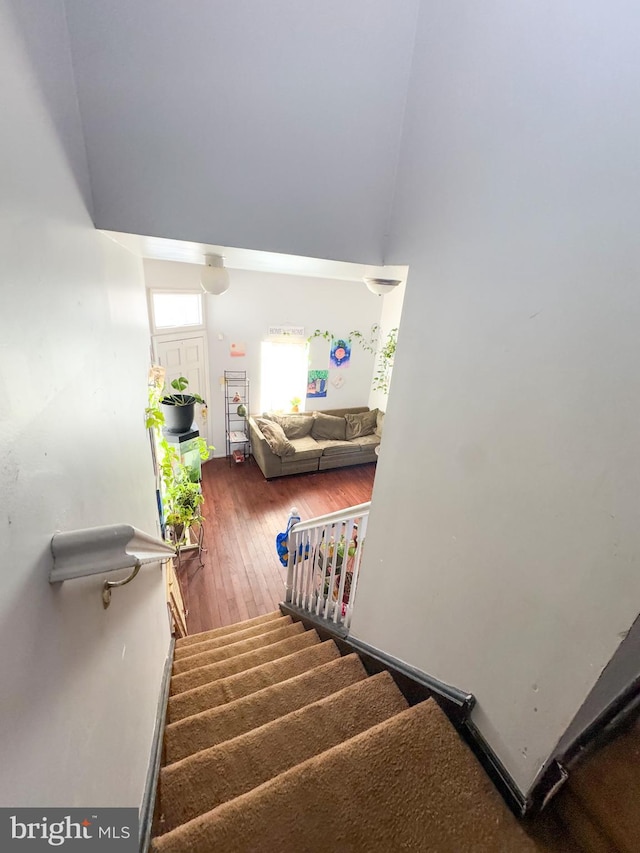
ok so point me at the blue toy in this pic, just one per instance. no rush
(282, 539)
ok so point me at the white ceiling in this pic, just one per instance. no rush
(164, 249)
(272, 125)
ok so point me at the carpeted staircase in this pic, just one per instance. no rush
(275, 743)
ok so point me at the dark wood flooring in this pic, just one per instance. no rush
(242, 576)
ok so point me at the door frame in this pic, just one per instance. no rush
(170, 337)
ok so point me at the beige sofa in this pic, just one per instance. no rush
(314, 441)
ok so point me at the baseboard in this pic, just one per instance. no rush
(325, 629)
(495, 769)
(417, 686)
(153, 773)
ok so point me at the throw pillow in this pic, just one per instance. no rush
(379, 423)
(363, 423)
(294, 426)
(275, 437)
(262, 421)
(328, 426)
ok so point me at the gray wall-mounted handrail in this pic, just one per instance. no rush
(96, 550)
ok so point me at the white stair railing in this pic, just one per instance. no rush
(324, 560)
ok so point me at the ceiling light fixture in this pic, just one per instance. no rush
(214, 278)
(380, 286)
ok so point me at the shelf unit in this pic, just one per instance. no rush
(236, 394)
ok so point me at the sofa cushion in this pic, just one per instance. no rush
(367, 442)
(379, 423)
(275, 437)
(306, 448)
(328, 427)
(294, 426)
(361, 424)
(331, 447)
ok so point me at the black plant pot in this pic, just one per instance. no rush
(178, 412)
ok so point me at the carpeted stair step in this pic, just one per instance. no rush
(409, 784)
(231, 650)
(203, 781)
(250, 681)
(213, 672)
(217, 725)
(183, 642)
(234, 637)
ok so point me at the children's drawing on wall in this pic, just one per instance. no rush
(317, 383)
(236, 350)
(340, 354)
(337, 379)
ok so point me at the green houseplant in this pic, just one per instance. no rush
(178, 408)
(182, 497)
(154, 419)
(386, 355)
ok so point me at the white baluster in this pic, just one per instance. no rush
(347, 533)
(362, 532)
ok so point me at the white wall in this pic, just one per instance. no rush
(263, 125)
(257, 300)
(80, 685)
(518, 211)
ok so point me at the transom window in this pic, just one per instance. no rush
(173, 310)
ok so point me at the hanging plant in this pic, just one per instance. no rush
(385, 351)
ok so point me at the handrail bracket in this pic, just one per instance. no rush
(109, 585)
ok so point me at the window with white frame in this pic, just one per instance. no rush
(283, 375)
(176, 310)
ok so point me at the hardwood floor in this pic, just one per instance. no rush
(242, 576)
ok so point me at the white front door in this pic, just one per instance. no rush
(186, 355)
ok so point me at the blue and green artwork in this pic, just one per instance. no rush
(340, 354)
(317, 383)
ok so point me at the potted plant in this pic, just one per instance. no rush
(155, 420)
(178, 408)
(184, 500)
(295, 404)
(182, 497)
